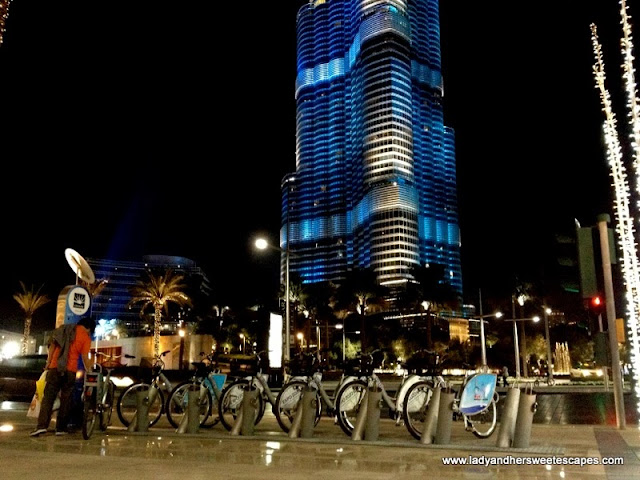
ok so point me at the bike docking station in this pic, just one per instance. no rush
(190, 422)
(431, 417)
(140, 421)
(305, 418)
(367, 424)
(245, 421)
(475, 397)
(517, 417)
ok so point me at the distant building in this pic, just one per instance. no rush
(111, 303)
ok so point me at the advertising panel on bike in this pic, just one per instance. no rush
(478, 393)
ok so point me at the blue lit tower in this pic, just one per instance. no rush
(375, 180)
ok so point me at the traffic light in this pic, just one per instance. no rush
(596, 304)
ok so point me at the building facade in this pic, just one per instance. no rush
(111, 304)
(375, 178)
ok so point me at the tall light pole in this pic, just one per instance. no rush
(181, 333)
(481, 317)
(262, 244)
(547, 311)
(340, 326)
(483, 347)
(515, 339)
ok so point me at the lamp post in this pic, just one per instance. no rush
(483, 347)
(547, 311)
(515, 339)
(340, 326)
(181, 333)
(244, 343)
(262, 244)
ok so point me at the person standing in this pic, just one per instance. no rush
(505, 376)
(69, 343)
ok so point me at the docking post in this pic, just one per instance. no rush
(509, 415)
(431, 419)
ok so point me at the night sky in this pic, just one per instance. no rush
(166, 128)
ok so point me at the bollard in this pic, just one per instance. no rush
(193, 409)
(309, 408)
(249, 410)
(294, 431)
(526, 409)
(431, 418)
(237, 424)
(445, 418)
(372, 425)
(140, 421)
(361, 418)
(508, 420)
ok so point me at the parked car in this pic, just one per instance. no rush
(18, 376)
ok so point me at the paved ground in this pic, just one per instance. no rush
(269, 453)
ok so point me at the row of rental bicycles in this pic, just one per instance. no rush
(220, 397)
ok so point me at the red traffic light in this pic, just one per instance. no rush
(597, 304)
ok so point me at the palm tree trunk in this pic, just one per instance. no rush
(157, 321)
(27, 332)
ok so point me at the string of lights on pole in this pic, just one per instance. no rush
(624, 218)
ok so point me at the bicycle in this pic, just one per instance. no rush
(306, 373)
(211, 382)
(232, 395)
(158, 386)
(475, 402)
(350, 398)
(98, 397)
(544, 379)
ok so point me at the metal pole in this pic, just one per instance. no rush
(546, 332)
(618, 394)
(515, 339)
(344, 326)
(483, 348)
(287, 340)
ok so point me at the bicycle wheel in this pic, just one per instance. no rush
(287, 403)
(106, 409)
(178, 403)
(482, 424)
(348, 404)
(414, 407)
(231, 401)
(89, 414)
(127, 406)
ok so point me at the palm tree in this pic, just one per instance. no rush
(30, 301)
(361, 293)
(158, 291)
(430, 294)
(96, 287)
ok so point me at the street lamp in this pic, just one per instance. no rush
(181, 333)
(483, 347)
(547, 311)
(515, 339)
(340, 326)
(262, 244)
(300, 336)
(244, 343)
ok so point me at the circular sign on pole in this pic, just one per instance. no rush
(74, 302)
(78, 301)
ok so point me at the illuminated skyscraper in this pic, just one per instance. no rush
(375, 179)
